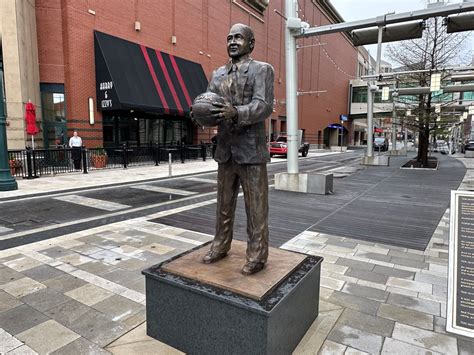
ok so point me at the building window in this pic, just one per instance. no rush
(53, 109)
(468, 95)
(359, 94)
(259, 5)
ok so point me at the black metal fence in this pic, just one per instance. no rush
(34, 163)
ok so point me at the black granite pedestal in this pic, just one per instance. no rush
(199, 318)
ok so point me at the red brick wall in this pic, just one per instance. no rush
(66, 50)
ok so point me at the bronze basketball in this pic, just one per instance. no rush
(202, 107)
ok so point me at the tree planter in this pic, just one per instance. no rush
(15, 165)
(99, 161)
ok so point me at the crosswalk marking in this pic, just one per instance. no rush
(209, 181)
(165, 190)
(92, 202)
(4, 230)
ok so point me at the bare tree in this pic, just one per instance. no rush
(434, 51)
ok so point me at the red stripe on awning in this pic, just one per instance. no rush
(155, 79)
(180, 79)
(170, 83)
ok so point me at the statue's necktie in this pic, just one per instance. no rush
(233, 86)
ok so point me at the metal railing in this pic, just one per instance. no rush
(30, 164)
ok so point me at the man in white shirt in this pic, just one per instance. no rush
(75, 140)
(76, 144)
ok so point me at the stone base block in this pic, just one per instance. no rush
(469, 154)
(383, 160)
(321, 184)
(398, 153)
(200, 318)
(336, 148)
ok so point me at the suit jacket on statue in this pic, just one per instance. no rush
(252, 95)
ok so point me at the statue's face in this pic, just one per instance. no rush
(238, 43)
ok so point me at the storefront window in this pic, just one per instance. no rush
(138, 129)
(108, 129)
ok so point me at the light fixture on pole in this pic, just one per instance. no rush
(435, 82)
(464, 115)
(460, 23)
(91, 111)
(438, 108)
(408, 112)
(385, 93)
(471, 110)
(391, 33)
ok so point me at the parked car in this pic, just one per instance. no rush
(380, 144)
(280, 147)
(469, 145)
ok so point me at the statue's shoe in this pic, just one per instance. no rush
(213, 256)
(252, 267)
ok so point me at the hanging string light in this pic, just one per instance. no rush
(334, 63)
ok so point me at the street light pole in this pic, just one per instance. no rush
(7, 182)
(370, 120)
(291, 92)
(394, 121)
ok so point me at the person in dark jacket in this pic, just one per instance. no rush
(242, 153)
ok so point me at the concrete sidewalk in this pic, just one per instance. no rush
(84, 293)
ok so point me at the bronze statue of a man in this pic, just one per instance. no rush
(242, 153)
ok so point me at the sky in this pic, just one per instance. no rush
(352, 10)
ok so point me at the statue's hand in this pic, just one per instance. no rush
(223, 111)
(191, 115)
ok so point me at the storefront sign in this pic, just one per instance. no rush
(106, 94)
(104, 88)
(460, 310)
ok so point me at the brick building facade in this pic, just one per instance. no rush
(194, 30)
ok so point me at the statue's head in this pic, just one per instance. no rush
(240, 41)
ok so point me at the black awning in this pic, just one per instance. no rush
(132, 76)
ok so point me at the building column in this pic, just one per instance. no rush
(20, 64)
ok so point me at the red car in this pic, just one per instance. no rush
(280, 147)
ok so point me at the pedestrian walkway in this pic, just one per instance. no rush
(83, 292)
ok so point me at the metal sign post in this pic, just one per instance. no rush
(460, 306)
(343, 118)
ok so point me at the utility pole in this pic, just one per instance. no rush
(7, 182)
